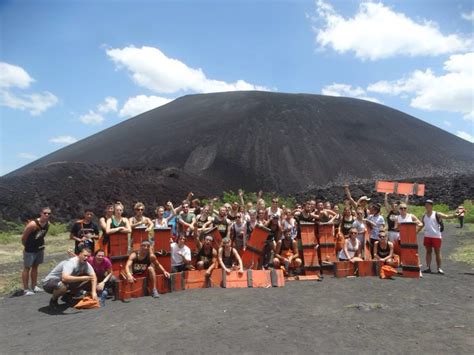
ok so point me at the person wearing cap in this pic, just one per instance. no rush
(376, 223)
(431, 222)
(383, 251)
(361, 202)
(142, 263)
(207, 255)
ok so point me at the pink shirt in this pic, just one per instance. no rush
(101, 268)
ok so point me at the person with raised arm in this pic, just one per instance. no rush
(361, 202)
(161, 221)
(432, 222)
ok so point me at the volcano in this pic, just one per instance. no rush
(286, 143)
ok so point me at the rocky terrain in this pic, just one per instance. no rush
(291, 144)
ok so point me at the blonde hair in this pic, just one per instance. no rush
(138, 205)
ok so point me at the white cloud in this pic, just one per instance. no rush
(14, 77)
(152, 69)
(142, 103)
(63, 140)
(348, 91)
(376, 32)
(109, 105)
(452, 91)
(35, 103)
(447, 123)
(466, 136)
(468, 16)
(28, 156)
(92, 118)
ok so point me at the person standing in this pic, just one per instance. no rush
(84, 232)
(432, 223)
(460, 212)
(33, 254)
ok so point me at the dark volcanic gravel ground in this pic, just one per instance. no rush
(363, 315)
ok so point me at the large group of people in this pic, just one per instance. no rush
(89, 269)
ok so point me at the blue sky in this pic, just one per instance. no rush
(69, 69)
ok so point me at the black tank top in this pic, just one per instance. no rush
(205, 257)
(302, 218)
(391, 218)
(35, 240)
(383, 253)
(228, 261)
(346, 225)
(222, 225)
(200, 222)
(140, 266)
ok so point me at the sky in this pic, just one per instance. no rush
(69, 69)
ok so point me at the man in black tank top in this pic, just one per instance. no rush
(142, 263)
(33, 255)
(222, 223)
(207, 255)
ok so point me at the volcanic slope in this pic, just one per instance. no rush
(280, 142)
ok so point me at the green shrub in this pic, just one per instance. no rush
(57, 228)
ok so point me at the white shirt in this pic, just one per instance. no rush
(379, 223)
(431, 226)
(176, 259)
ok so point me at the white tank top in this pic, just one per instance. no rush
(407, 218)
(160, 224)
(431, 226)
(351, 249)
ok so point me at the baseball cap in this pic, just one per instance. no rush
(429, 201)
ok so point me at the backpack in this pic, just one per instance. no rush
(438, 220)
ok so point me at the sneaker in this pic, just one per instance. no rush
(53, 305)
(80, 295)
(37, 289)
(440, 271)
(28, 293)
(427, 271)
(154, 293)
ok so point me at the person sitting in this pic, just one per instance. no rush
(142, 263)
(103, 270)
(180, 255)
(207, 255)
(85, 232)
(383, 251)
(73, 275)
(286, 253)
(139, 220)
(229, 258)
(351, 250)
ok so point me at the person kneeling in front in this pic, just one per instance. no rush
(73, 275)
(140, 263)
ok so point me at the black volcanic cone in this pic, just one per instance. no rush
(285, 143)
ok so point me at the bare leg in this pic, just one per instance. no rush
(438, 257)
(34, 276)
(152, 276)
(429, 250)
(25, 276)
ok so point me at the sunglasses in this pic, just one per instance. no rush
(353, 233)
(46, 213)
(403, 208)
(139, 209)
